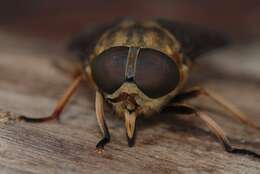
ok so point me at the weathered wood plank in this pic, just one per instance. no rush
(30, 85)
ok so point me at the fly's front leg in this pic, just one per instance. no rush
(199, 91)
(102, 123)
(214, 127)
(59, 107)
(188, 94)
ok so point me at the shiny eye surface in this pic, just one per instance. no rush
(156, 74)
(108, 69)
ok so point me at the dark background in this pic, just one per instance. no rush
(57, 19)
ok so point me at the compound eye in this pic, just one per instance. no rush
(156, 73)
(108, 69)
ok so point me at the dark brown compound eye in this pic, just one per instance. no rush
(156, 73)
(108, 69)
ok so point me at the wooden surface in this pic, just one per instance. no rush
(30, 85)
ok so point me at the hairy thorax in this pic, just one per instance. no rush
(147, 34)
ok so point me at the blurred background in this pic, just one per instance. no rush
(60, 19)
(37, 28)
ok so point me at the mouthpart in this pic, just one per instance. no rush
(128, 101)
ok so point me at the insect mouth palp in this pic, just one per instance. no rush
(130, 107)
(130, 122)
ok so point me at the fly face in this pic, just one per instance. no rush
(135, 77)
(136, 81)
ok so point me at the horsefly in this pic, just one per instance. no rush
(140, 68)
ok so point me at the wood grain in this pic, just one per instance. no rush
(30, 85)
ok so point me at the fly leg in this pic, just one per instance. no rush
(214, 127)
(60, 105)
(102, 123)
(198, 91)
